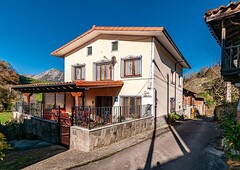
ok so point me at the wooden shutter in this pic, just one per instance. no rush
(122, 68)
(140, 66)
(83, 71)
(94, 71)
(72, 73)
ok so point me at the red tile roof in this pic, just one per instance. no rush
(89, 84)
(231, 8)
(109, 28)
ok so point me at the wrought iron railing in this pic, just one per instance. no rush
(87, 117)
(93, 117)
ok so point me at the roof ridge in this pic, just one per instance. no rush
(110, 28)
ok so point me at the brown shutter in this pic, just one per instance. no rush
(72, 73)
(94, 71)
(122, 68)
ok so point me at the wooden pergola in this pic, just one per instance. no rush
(224, 24)
(49, 87)
(77, 88)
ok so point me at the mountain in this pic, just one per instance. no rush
(52, 75)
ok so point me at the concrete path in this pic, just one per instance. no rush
(74, 158)
(191, 145)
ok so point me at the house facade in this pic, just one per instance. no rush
(119, 81)
(144, 59)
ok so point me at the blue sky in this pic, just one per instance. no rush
(31, 29)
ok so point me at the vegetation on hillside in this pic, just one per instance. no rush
(8, 76)
(29, 80)
(209, 84)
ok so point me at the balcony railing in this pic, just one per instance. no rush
(231, 57)
(87, 117)
(93, 117)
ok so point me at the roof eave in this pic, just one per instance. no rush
(183, 62)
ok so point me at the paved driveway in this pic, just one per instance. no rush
(190, 145)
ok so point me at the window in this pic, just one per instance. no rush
(173, 81)
(131, 106)
(172, 104)
(115, 46)
(131, 67)
(78, 72)
(89, 50)
(104, 71)
(53, 100)
(179, 80)
(60, 99)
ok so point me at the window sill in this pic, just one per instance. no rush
(105, 80)
(132, 76)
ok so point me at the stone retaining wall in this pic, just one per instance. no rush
(87, 140)
(160, 121)
(43, 129)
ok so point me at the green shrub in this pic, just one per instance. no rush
(230, 127)
(172, 117)
(3, 146)
(13, 130)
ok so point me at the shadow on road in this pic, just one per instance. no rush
(192, 140)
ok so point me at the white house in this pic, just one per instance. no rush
(122, 72)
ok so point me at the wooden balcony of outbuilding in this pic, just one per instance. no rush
(224, 24)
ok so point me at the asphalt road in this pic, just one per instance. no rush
(191, 145)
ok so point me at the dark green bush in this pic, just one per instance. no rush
(230, 126)
(13, 130)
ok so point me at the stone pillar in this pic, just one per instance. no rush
(228, 95)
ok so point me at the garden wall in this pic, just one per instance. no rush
(43, 129)
(29, 127)
(87, 140)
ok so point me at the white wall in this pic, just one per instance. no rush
(127, 45)
(132, 45)
(163, 77)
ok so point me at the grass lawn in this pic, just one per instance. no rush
(4, 116)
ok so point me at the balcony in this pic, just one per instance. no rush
(230, 69)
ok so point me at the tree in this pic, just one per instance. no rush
(6, 98)
(8, 76)
(217, 89)
(202, 72)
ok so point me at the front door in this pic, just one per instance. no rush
(104, 107)
(104, 101)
